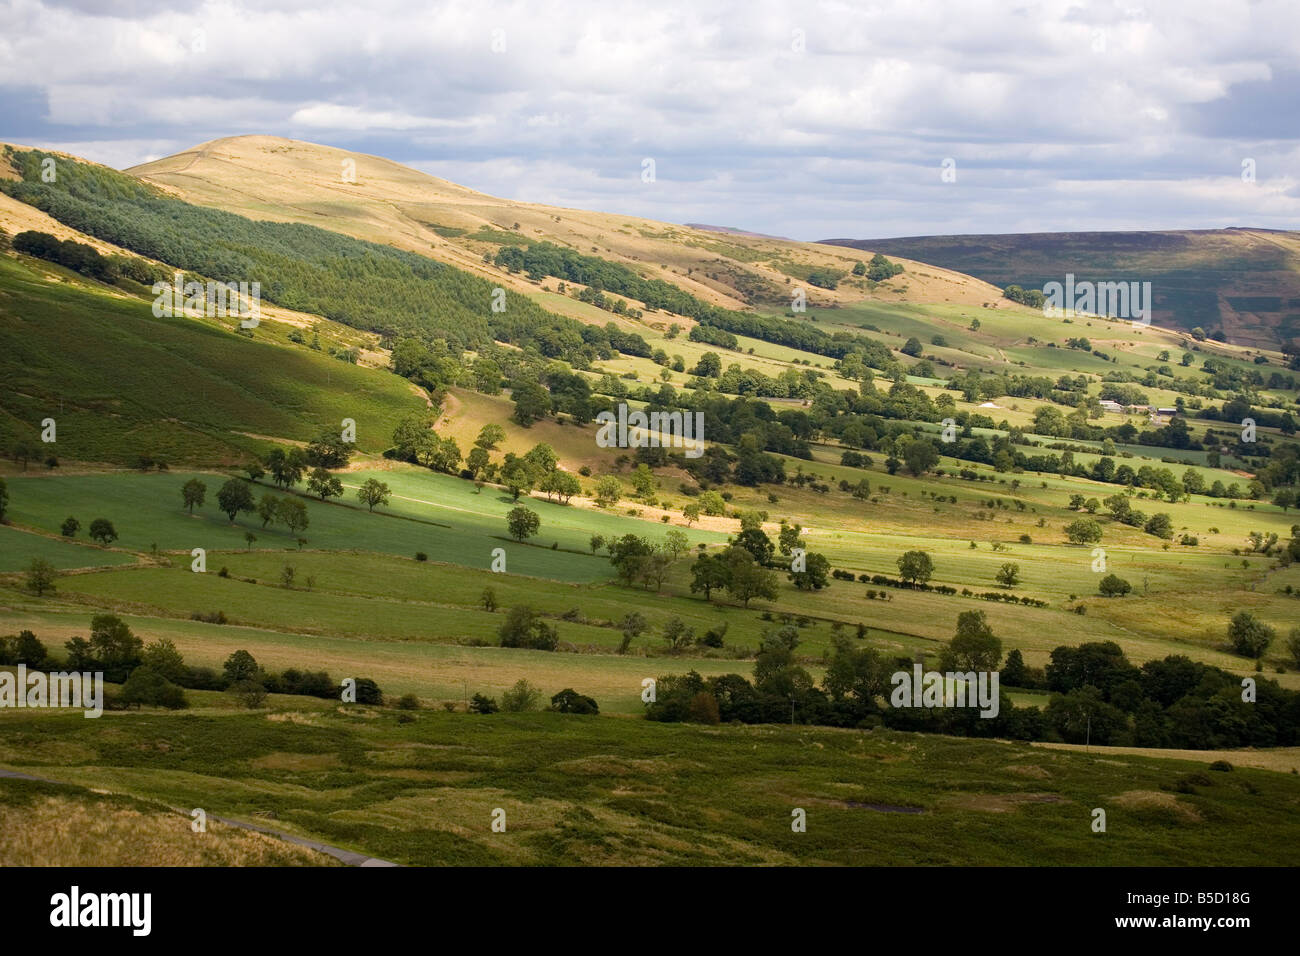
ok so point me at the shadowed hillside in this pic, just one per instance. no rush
(1244, 282)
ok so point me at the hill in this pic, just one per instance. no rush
(285, 180)
(1242, 282)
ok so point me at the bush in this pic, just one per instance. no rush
(569, 701)
(421, 556)
(524, 627)
(408, 702)
(1112, 585)
(482, 704)
(147, 687)
(1248, 635)
(522, 697)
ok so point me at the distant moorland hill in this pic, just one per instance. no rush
(1242, 282)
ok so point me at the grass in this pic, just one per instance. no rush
(610, 791)
(50, 825)
(121, 383)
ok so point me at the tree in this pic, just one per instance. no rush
(241, 666)
(489, 436)
(40, 577)
(233, 497)
(1083, 531)
(251, 693)
(70, 527)
(532, 402)
(322, 483)
(561, 484)
(478, 461)
(1009, 575)
(915, 567)
(523, 523)
(193, 492)
(1248, 635)
(974, 647)
(628, 555)
(4, 499)
(293, 513)
(677, 635)
(254, 471)
(373, 492)
(709, 366)
(757, 543)
(676, 543)
(1160, 525)
(286, 467)
(328, 450)
(691, 513)
(643, 481)
(102, 530)
(518, 476)
(146, 687)
(815, 574)
(921, 456)
(709, 572)
(1293, 645)
(268, 508)
(608, 490)
(439, 454)
(1014, 672)
(569, 701)
(523, 696)
(542, 458)
(114, 649)
(163, 658)
(713, 504)
(1112, 585)
(525, 628)
(633, 625)
(912, 347)
(746, 579)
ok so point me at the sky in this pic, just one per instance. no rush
(801, 119)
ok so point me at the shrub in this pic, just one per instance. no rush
(524, 627)
(1248, 635)
(523, 696)
(1112, 585)
(569, 701)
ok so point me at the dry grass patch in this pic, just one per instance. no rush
(66, 831)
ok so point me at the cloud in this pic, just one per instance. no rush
(828, 118)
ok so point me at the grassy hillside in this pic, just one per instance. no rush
(291, 181)
(121, 383)
(584, 790)
(1245, 282)
(813, 419)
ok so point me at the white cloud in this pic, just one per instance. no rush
(843, 137)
